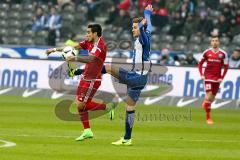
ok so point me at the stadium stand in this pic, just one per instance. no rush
(179, 25)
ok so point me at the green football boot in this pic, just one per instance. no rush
(87, 133)
(123, 142)
(110, 107)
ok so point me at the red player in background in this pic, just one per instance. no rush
(215, 58)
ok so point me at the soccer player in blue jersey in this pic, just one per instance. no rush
(137, 77)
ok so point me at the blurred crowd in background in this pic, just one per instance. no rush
(179, 25)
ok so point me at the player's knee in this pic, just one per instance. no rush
(209, 98)
(130, 101)
(130, 108)
(212, 98)
(80, 105)
(206, 98)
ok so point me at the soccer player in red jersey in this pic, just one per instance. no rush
(91, 77)
(215, 58)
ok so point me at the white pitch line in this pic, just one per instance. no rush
(7, 144)
(147, 139)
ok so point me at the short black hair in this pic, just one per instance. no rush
(96, 28)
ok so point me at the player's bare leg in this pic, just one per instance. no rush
(84, 108)
(209, 98)
(87, 133)
(113, 70)
(100, 105)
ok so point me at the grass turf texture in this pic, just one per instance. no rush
(31, 123)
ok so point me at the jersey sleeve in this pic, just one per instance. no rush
(147, 15)
(144, 36)
(96, 51)
(204, 55)
(83, 44)
(225, 60)
(202, 60)
(225, 63)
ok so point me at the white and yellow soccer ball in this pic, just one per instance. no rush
(68, 51)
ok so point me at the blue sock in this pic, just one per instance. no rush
(129, 124)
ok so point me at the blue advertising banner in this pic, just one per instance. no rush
(26, 52)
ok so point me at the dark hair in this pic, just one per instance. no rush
(54, 7)
(96, 28)
(39, 7)
(137, 20)
(214, 36)
(237, 49)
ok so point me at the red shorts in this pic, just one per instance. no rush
(211, 87)
(86, 90)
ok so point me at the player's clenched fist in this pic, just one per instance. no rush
(149, 7)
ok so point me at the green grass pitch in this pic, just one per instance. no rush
(31, 123)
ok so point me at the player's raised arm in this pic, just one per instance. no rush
(144, 32)
(147, 15)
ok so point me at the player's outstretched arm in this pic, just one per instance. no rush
(52, 50)
(60, 49)
(84, 59)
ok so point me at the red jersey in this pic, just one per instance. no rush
(215, 61)
(99, 50)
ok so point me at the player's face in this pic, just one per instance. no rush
(215, 42)
(89, 35)
(53, 10)
(39, 11)
(135, 30)
(236, 54)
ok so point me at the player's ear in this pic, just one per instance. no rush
(95, 34)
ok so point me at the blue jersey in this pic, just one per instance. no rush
(142, 46)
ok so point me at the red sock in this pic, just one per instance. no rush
(84, 118)
(207, 106)
(92, 106)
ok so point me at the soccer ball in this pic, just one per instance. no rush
(68, 51)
